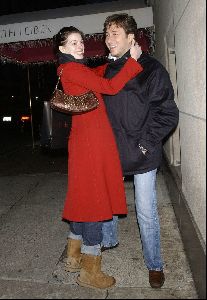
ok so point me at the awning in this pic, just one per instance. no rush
(41, 51)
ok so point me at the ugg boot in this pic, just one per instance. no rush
(73, 263)
(91, 275)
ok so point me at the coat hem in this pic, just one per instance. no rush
(71, 219)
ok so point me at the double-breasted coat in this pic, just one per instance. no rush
(95, 184)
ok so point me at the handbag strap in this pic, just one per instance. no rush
(61, 71)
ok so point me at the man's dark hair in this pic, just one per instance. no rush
(124, 21)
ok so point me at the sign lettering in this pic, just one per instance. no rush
(10, 33)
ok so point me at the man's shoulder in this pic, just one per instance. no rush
(149, 60)
(151, 64)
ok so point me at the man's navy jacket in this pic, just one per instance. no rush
(143, 112)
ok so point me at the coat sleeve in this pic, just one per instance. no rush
(85, 77)
(100, 70)
(163, 110)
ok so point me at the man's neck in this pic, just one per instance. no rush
(117, 57)
(112, 57)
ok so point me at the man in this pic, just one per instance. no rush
(141, 115)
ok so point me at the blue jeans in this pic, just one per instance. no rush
(148, 219)
(91, 235)
(110, 232)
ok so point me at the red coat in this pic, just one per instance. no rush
(95, 184)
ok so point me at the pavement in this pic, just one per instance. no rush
(33, 238)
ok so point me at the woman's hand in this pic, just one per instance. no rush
(135, 50)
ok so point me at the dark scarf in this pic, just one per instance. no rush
(64, 58)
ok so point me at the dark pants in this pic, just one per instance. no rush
(91, 232)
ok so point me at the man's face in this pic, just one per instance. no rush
(117, 41)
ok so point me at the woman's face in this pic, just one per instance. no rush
(74, 46)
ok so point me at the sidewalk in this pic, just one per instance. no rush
(33, 241)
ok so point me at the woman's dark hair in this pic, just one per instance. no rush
(60, 39)
(124, 21)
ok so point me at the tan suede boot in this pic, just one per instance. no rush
(91, 275)
(73, 263)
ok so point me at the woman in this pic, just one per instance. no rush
(95, 186)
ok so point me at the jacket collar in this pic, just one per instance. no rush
(119, 61)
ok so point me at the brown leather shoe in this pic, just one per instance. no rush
(156, 279)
